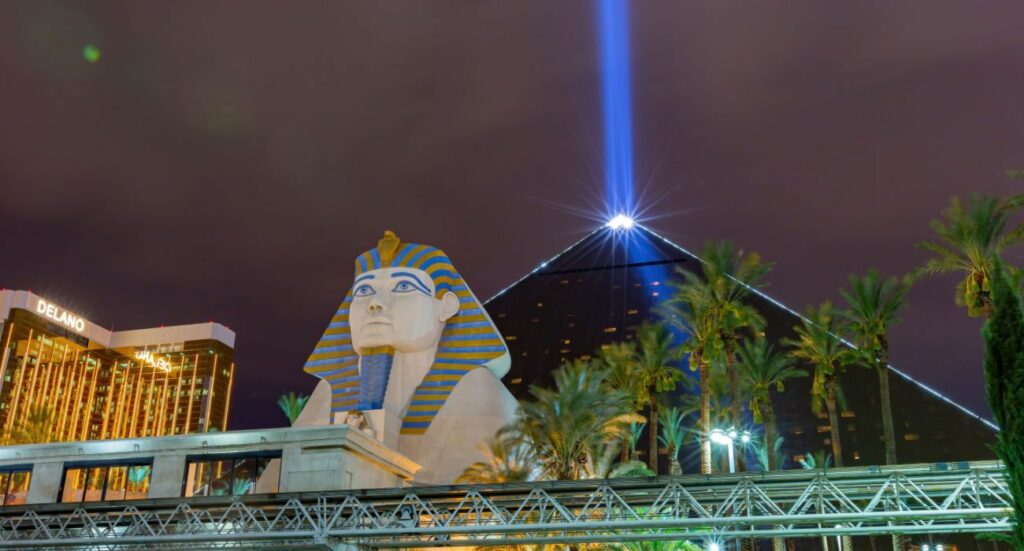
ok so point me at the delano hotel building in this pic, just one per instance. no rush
(94, 384)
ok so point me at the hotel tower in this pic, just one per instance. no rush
(64, 378)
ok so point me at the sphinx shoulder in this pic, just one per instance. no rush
(481, 393)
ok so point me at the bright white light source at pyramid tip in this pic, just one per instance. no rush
(620, 222)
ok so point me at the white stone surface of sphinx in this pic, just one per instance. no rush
(412, 349)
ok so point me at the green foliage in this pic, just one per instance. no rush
(968, 241)
(565, 425)
(818, 345)
(762, 368)
(291, 404)
(1004, 385)
(778, 457)
(820, 460)
(507, 460)
(673, 433)
(873, 306)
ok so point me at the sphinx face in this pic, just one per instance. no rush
(396, 307)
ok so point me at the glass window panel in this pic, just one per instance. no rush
(116, 478)
(94, 483)
(199, 479)
(221, 477)
(5, 477)
(17, 491)
(137, 485)
(74, 485)
(245, 477)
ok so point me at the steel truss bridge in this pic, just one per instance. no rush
(906, 499)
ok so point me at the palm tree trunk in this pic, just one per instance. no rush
(768, 412)
(705, 419)
(833, 421)
(652, 435)
(883, 389)
(736, 400)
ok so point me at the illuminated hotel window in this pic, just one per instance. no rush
(540, 305)
(516, 381)
(911, 436)
(847, 414)
(610, 329)
(856, 456)
(633, 311)
(106, 482)
(229, 475)
(14, 483)
(566, 341)
(501, 315)
(564, 282)
(511, 338)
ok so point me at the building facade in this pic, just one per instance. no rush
(64, 378)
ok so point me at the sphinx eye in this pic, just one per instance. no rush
(403, 287)
(363, 290)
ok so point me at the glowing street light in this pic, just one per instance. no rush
(620, 222)
(729, 438)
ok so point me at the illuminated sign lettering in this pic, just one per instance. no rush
(60, 315)
(148, 358)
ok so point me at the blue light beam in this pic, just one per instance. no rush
(618, 119)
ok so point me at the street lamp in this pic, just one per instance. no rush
(729, 438)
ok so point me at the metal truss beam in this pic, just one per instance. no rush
(906, 499)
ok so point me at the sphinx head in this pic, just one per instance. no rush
(405, 298)
(398, 308)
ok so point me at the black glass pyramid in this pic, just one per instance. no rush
(600, 289)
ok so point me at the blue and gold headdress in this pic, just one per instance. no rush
(470, 339)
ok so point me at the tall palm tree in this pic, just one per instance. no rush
(729, 276)
(694, 319)
(762, 368)
(656, 372)
(291, 404)
(507, 460)
(967, 240)
(873, 307)
(565, 423)
(818, 345)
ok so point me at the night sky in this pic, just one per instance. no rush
(227, 160)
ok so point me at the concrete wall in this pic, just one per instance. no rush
(312, 459)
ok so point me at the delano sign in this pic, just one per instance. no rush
(60, 315)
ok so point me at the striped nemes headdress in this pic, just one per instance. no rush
(470, 339)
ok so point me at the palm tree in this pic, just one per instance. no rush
(818, 345)
(620, 359)
(507, 460)
(656, 373)
(37, 427)
(968, 238)
(564, 424)
(694, 319)
(291, 404)
(873, 306)
(732, 274)
(729, 276)
(672, 437)
(762, 368)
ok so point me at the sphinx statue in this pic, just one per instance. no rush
(411, 350)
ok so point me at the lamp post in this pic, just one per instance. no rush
(729, 438)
